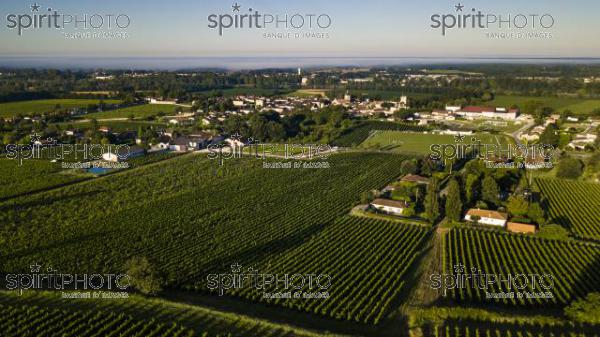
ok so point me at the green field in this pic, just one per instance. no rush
(574, 205)
(420, 143)
(344, 252)
(46, 105)
(31, 175)
(246, 91)
(133, 316)
(573, 267)
(560, 104)
(138, 111)
(114, 125)
(357, 134)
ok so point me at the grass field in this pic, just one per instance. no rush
(46, 105)
(138, 111)
(246, 91)
(114, 125)
(574, 205)
(560, 104)
(420, 143)
(308, 93)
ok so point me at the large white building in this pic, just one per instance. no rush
(486, 217)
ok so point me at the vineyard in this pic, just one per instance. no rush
(574, 267)
(460, 328)
(133, 312)
(25, 321)
(188, 215)
(574, 205)
(32, 175)
(357, 135)
(367, 260)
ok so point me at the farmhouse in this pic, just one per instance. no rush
(390, 206)
(487, 217)
(413, 178)
(517, 227)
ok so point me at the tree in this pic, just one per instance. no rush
(471, 187)
(489, 190)
(453, 201)
(366, 197)
(432, 207)
(408, 167)
(536, 213)
(553, 231)
(143, 275)
(569, 168)
(517, 205)
(585, 310)
(550, 135)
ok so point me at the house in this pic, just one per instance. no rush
(390, 206)
(517, 227)
(179, 144)
(120, 155)
(413, 178)
(487, 217)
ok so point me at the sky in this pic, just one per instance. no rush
(376, 28)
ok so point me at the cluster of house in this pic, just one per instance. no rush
(169, 140)
(284, 105)
(368, 107)
(479, 216)
(470, 112)
(585, 138)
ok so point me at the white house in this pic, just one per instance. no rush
(121, 155)
(390, 206)
(487, 217)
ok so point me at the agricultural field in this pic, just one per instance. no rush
(308, 93)
(356, 135)
(459, 328)
(573, 266)
(574, 205)
(37, 175)
(420, 143)
(215, 214)
(22, 321)
(118, 126)
(132, 314)
(576, 105)
(138, 111)
(229, 92)
(31, 175)
(11, 109)
(367, 259)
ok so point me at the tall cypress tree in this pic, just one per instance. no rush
(453, 201)
(432, 207)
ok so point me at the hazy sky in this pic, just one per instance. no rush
(359, 28)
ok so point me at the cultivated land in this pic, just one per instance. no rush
(366, 278)
(138, 111)
(573, 266)
(133, 316)
(358, 134)
(576, 105)
(420, 143)
(574, 205)
(225, 224)
(47, 105)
